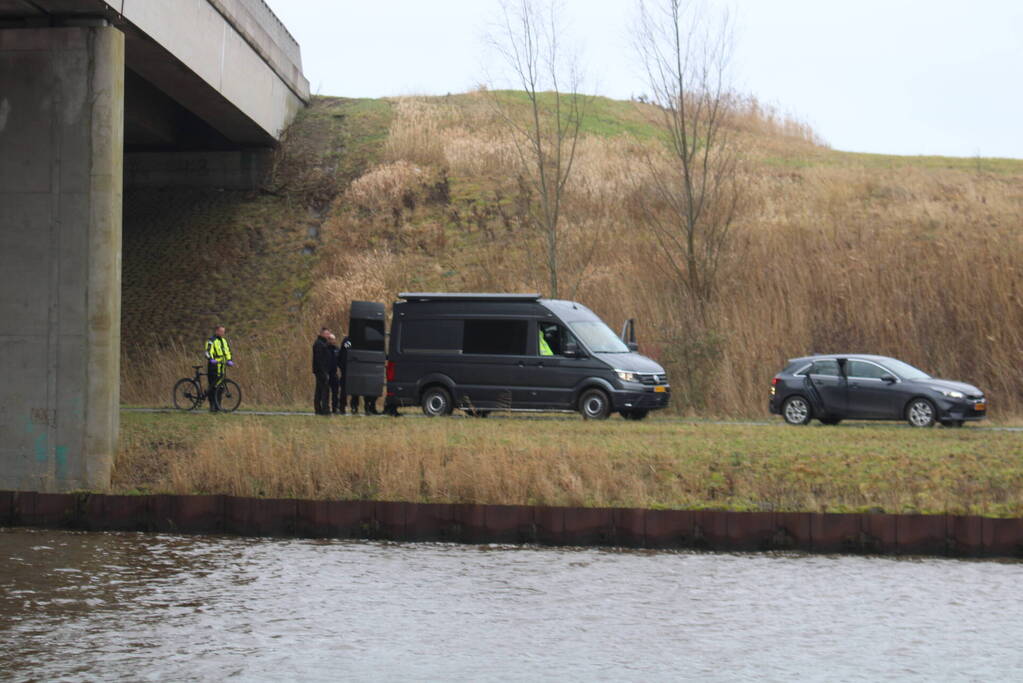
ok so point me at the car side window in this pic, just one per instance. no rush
(864, 370)
(827, 368)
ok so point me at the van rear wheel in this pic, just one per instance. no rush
(594, 405)
(436, 402)
(635, 415)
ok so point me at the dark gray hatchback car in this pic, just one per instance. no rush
(835, 387)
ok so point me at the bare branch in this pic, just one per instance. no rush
(546, 129)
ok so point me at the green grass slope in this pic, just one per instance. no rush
(194, 257)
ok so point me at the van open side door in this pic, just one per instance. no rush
(367, 357)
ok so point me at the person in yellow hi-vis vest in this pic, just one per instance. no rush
(218, 355)
(545, 348)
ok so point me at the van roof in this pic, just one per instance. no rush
(466, 296)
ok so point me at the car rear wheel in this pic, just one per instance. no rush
(796, 410)
(594, 405)
(920, 413)
(436, 402)
(635, 415)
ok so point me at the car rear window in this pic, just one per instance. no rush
(794, 367)
(827, 368)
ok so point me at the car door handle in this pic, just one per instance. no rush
(521, 364)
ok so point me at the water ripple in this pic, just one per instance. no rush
(138, 606)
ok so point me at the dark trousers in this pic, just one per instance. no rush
(321, 399)
(336, 405)
(216, 375)
(369, 404)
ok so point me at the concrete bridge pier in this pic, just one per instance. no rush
(61, 159)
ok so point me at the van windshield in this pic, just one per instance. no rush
(598, 337)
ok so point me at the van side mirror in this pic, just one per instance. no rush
(629, 333)
(571, 350)
(633, 346)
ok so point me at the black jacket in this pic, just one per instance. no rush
(322, 357)
(342, 354)
(332, 369)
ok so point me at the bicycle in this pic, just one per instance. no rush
(189, 394)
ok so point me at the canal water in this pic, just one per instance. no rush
(87, 606)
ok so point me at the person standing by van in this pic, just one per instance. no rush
(322, 358)
(342, 360)
(218, 357)
(332, 377)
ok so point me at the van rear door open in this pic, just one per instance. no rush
(364, 370)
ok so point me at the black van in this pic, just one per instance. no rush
(486, 352)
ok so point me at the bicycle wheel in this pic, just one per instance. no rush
(230, 396)
(187, 394)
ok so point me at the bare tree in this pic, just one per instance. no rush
(696, 188)
(546, 134)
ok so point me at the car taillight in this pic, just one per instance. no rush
(390, 371)
(774, 381)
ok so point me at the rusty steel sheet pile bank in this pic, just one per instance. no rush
(715, 530)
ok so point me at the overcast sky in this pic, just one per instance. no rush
(892, 76)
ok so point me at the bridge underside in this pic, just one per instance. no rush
(196, 97)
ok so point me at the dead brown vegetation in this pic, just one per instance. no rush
(836, 252)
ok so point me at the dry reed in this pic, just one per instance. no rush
(651, 465)
(919, 263)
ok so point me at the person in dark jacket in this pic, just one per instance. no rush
(322, 359)
(336, 407)
(342, 360)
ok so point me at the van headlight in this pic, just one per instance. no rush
(627, 375)
(950, 393)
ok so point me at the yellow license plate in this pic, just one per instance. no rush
(980, 406)
(660, 390)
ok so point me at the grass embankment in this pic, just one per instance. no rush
(655, 464)
(915, 257)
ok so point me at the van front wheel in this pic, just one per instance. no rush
(436, 402)
(594, 405)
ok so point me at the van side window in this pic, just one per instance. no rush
(367, 335)
(555, 337)
(431, 336)
(498, 337)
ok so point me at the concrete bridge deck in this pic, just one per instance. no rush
(85, 84)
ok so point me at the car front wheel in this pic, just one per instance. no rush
(920, 413)
(796, 410)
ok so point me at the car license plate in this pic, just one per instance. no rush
(660, 390)
(980, 406)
